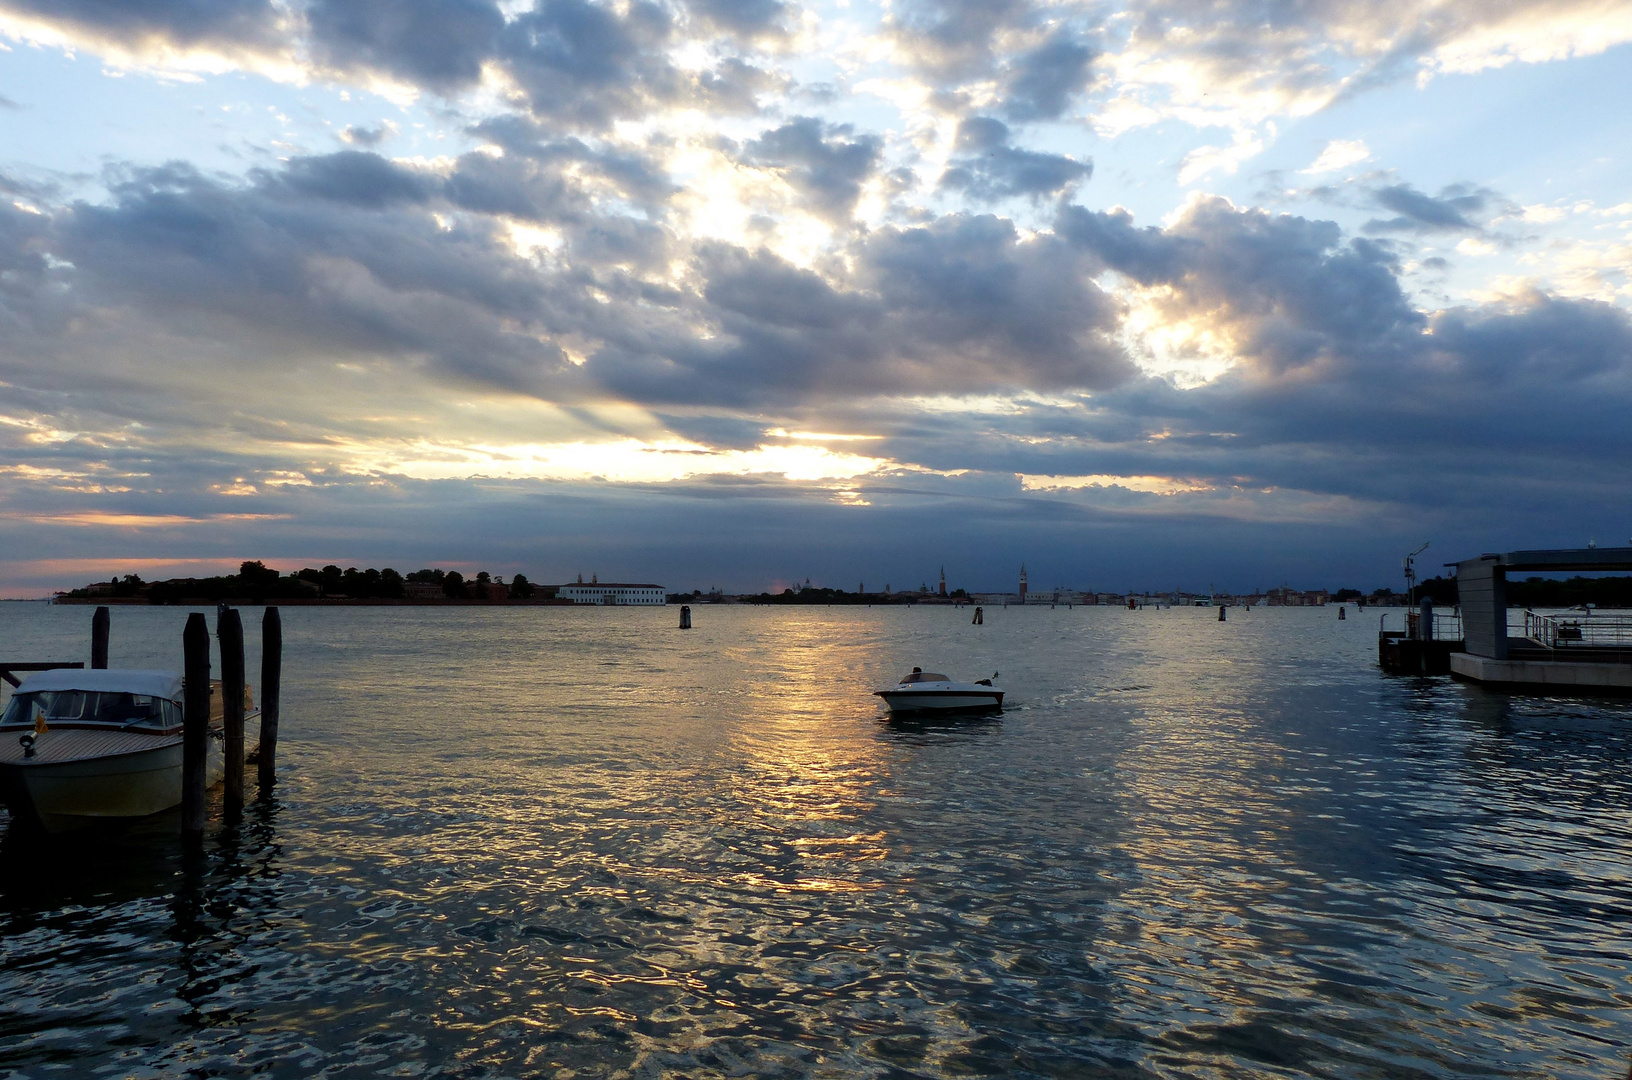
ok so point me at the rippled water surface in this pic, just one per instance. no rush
(519, 842)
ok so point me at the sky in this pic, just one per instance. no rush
(1150, 294)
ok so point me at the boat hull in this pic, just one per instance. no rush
(904, 701)
(64, 795)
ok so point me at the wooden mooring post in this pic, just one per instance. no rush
(685, 616)
(980, 617)
(271, 674)
(229, 632)
(195, 730)
(1222, 608)
(99, 638)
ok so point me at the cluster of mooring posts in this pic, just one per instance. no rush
(195, 645)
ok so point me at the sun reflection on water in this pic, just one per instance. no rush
(517, 841)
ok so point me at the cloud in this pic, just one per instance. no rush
(1339, 154)
(1042, 82)
(1204, 160)
(748, 18)
(360, 136)
(827, 164)
(355, 177)
(986, 167)
(175, 24)
(1426, 213)
(437, 44)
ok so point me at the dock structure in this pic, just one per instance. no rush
(1575, 651)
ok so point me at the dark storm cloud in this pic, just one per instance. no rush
(986, 167)
(825, 163)
(437, 44)
(178, 22)
(1426, 213)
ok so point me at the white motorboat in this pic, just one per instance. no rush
(923, 691)
(82, 745)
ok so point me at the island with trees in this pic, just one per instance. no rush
(257, 583)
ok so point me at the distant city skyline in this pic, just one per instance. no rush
(1143, 294)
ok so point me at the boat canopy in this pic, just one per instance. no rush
(924, 676)
(159, 684)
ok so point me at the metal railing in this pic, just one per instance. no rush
(1579, 630)
(1447, 625)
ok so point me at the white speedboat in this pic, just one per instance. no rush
(82, 745)
(922, 691)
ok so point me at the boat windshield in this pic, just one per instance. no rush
(91, 706)
(924, 676)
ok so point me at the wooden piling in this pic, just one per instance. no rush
(1222, 608)
(229, 632)
(99, 638)
(685, 616)
(271, 673)
(195, 731)
(980, 617)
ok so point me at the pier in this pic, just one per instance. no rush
(1572, 651)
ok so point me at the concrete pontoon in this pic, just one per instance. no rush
(1571, 652)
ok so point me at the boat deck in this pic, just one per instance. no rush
(75, 744)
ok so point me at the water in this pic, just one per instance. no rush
(525, 842)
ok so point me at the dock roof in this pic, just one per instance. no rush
(1576, 559)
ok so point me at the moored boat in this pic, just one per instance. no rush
(922, 691)
(79, 746)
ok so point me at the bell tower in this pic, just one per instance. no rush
(943, 581)
(1022, 583)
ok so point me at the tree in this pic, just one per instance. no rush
(520, 587)
(257, 573)
(453, 585)
(390, 584)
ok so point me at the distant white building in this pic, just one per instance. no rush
(613, 593)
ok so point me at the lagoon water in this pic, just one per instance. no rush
(533, 842)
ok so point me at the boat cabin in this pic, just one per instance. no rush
(96, 698)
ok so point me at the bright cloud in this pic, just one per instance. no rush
(1339, 154)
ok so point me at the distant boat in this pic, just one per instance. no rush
(78, 746)
(923, 691)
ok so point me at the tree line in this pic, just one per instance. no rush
(258, 582)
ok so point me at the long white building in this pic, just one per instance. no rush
(613, 593)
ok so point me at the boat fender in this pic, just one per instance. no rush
(27, 742)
